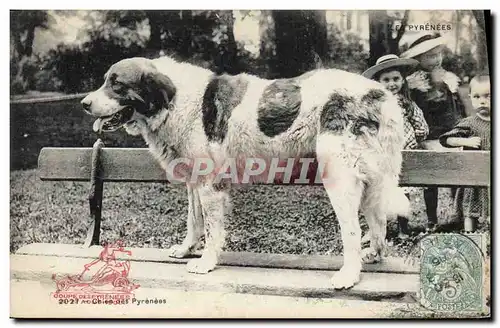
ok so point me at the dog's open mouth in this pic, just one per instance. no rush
(113, 122)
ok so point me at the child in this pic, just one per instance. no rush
(435, 91)
(473, 133)
(390, 70)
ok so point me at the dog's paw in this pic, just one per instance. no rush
(370, 255)
(346, 277)
(366, 239)
(180, 251)
(201, 265)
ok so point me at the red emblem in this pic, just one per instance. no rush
(105, 275)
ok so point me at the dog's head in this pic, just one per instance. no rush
(132, 88)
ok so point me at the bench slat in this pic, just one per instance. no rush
(420, 167)
(462, 168)
(118, 164)
(225, 279)
(241, 259)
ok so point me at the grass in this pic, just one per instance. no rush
(272, 219)
(267, 219)
(153, 215)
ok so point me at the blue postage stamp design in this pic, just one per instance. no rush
(451, 273)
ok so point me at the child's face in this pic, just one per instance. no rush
(431, 60)
(480, 96)
(392, 81)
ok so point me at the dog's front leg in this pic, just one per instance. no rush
(345, 195)
(195, 226)
(345, 189)
(215, 207)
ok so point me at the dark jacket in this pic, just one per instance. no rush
(442, 108)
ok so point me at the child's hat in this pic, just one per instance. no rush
(390, 61)
(423, 42)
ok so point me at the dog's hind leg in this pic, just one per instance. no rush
(215, 207)
(376, 216)
(195, 226)
(344, 187)
(382, 200)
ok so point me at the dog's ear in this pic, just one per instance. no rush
(160, 90)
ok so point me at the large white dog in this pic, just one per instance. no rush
(188, 115)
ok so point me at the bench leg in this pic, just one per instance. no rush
(95, 197)
(94, 231)
(470, 224)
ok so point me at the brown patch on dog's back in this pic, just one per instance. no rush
(279, 106)
(222, 95)
(336, 112)
(341, 111)
(372, 96)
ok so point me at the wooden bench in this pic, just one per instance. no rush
(99, 164)
(393, 279)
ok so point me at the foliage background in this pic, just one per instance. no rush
(288, 42)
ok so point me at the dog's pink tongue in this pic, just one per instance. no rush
(98, 125)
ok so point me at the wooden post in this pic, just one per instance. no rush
(95, 196)
(470, 224)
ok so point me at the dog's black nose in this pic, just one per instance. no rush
(86, 104)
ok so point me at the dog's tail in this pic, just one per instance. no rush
(397, 203)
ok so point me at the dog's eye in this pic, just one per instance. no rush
(118, 86)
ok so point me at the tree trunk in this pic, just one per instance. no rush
(402, 28)
(299, 36)
(483, 35)
(480, 19)
(348, 21)
(18, 45)
(28, 44)
(186, 35)
(155, 24)
(380, 35)
(267, 35)
(20, 83)
(342, 21)
(267, 47)
(488, 39)
(319, 35)
(227, 57)
(24, 23)
(359, 14)
(458, 16)
(381, 40)
(287, 53)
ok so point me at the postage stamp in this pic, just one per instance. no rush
(452, 272)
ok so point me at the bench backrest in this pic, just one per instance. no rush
(420, 167)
